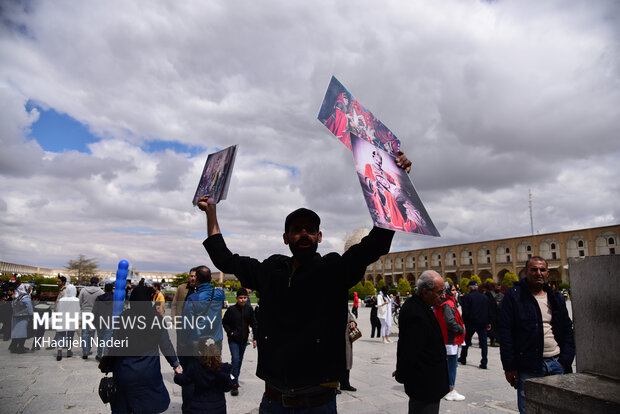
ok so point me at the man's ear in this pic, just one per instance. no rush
(319, 237)
(285, 237)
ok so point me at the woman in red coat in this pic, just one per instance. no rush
(453, 332)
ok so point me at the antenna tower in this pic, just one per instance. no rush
(531, 215)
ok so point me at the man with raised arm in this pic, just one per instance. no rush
(300, 355)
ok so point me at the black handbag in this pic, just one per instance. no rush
(107, 389)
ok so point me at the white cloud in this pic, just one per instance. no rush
(488, 99)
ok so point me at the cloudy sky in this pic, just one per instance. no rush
(109, 109)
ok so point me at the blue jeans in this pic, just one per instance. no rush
(481, 330)
(549, 367)
(87, 334)
(103, 335)
(236, 352)
(452, 368)
(268, 406)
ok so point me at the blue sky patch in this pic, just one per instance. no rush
(293, 170)
(57, 132)
(159, 146)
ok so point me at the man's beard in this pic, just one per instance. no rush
(303, 254)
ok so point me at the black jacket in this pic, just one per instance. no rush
(102, 311)
(237, 321)
(421, 353)
(521, 330)
(209, 387)
(476, 310)
(142, 293)
(301, 347)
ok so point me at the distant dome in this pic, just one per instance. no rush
(355, 237)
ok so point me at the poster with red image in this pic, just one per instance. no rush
(391, 198)
(343, 115)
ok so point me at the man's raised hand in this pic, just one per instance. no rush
(203, 203)
(403, 162)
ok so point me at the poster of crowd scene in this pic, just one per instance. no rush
(216, 175)
(342, 114)
(392, 200)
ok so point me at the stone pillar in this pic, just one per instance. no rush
(595, 388)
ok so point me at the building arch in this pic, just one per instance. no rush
(436, 259)
(555, 277)
(606, 243)
(465, 274)
(467, 257)
(484, 275)
(576, 246)
(398, 264)
(410, 262)
(387, 264)
(501, 274)
(450, 259)
(423, 261)
(379, 265)
(484, 255)
(503, 253)
(524, 251)
(550, 249)
(452, 275)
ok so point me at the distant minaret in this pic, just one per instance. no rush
(531, 216)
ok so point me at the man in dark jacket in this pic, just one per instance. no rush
(421, 354)
(300, 355)
(237, 321)
(102, 312)
(536, 332)
(476, 316)
(142, 292)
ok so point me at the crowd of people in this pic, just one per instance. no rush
(304, 358)
(426, 363)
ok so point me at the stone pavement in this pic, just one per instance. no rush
(34, 383)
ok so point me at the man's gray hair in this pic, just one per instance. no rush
(426, 281)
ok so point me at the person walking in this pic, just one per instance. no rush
(69, 308)
(87, 298)
(22, 313)
(421, 355)
(375, 323)
(210, 378)
(384, 313)
(345, 383)
(476, 314)
(453, 331)
(102, 312)
(356, 304)
(184, 291)
(236, 322)
(159, 301)
(136, 365)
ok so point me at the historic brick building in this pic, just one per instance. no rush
(493, 258)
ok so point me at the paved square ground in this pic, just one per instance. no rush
(35, 382)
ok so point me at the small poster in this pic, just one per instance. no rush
(392, 200)
(216, 174)
(343, 115)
